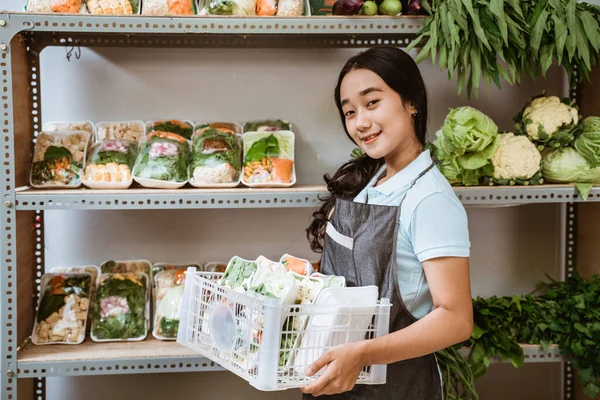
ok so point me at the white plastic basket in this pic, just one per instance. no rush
(269, 344)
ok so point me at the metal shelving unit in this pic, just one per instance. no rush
(22, 37)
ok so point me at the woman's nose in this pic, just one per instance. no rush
(362, 121)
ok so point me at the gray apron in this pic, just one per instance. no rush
(360, 245)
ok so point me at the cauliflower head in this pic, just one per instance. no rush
(549, 113)
(515, 158)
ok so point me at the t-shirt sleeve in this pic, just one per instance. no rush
(439, 228)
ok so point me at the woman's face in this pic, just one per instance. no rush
(375, 115)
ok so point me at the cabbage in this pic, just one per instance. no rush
(465, 144)
(566, 165)
(588, 143)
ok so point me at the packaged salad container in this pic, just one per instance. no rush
(112, 266)
(216, 158)
(58, 159)
(168, 7)
(280, 8)
(113, 7)
(269, 159)
(168, 300)
(109, 165)
(163, 161)
(267, 125)
(183, 128)
(121, 310)
(63, 309)
(159, 267)
(131, 131)
(61, 126)
(297, 265)
(215, 266)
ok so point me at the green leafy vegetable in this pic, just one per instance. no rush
(114, 151)
(180, 128)
(262, 148)
(566, 165)
(227, 151)
(59, 287)
(239, 273)
(465, 145)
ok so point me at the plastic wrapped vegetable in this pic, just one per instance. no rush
(184, 129)
(127, 266)
(169, 297)
(239, 274)
(110, 164)
(59, 158)
(54, 6)
(267, 126)
(297, 265)
(290, 8)
(163, 156)
(121, 307)
(58, 126)
(131, 131)
(269, 158)
(113, 7)
(232, 7)
(63, 309)
(216, 158)
(159, 267)
(266, 7)
(93, 270)
(168, 7)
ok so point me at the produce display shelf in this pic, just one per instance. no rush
(149, 356)
(195, 24)
(297, 196)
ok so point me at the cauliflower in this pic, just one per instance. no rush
(548, 119)
(516, 159)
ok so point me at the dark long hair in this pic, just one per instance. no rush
(399, 71)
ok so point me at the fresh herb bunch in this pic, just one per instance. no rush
(471, 36)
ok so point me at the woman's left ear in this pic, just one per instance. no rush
(412, 109)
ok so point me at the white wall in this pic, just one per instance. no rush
(512, 247)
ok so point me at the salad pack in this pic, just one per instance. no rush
(267, 125)
(59, 158)
(216, 158)
(269, 159)
(163, 157)
(168, 7)
(109, 165)
(63, 308)
(131, 131)
(113, 267)
(281, 8)
(121, 309)
(184, 129)
(113, 7)
(168, 301)
(54, 6)
(93, 270)
(60, 126)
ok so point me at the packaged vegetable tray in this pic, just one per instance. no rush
(281, 8)
(112, 266)
(63, 309)
(159, 267)
(109, 165)
(168, 300)
(297, 265)
(131, 131)
(215, 266)
(269, 159)
(58, 159)
(267, 125)
(121, 310)
(168, 7)
(60, 126)
(163, 161)
(216, 158)
(182, 128)
(55, 6)
(113, 7)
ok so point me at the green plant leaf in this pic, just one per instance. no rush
(546, 58)
(537, 32)
(592, 29)
(497, 9)
(560, 36)
(572, 26)
(583, 47)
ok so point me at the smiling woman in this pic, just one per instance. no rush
(403, 229)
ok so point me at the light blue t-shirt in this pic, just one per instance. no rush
(433, 223)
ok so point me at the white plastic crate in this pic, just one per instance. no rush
(269, 344)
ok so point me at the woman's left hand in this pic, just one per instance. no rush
(344, 364)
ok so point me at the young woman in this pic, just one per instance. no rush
(392, 220)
